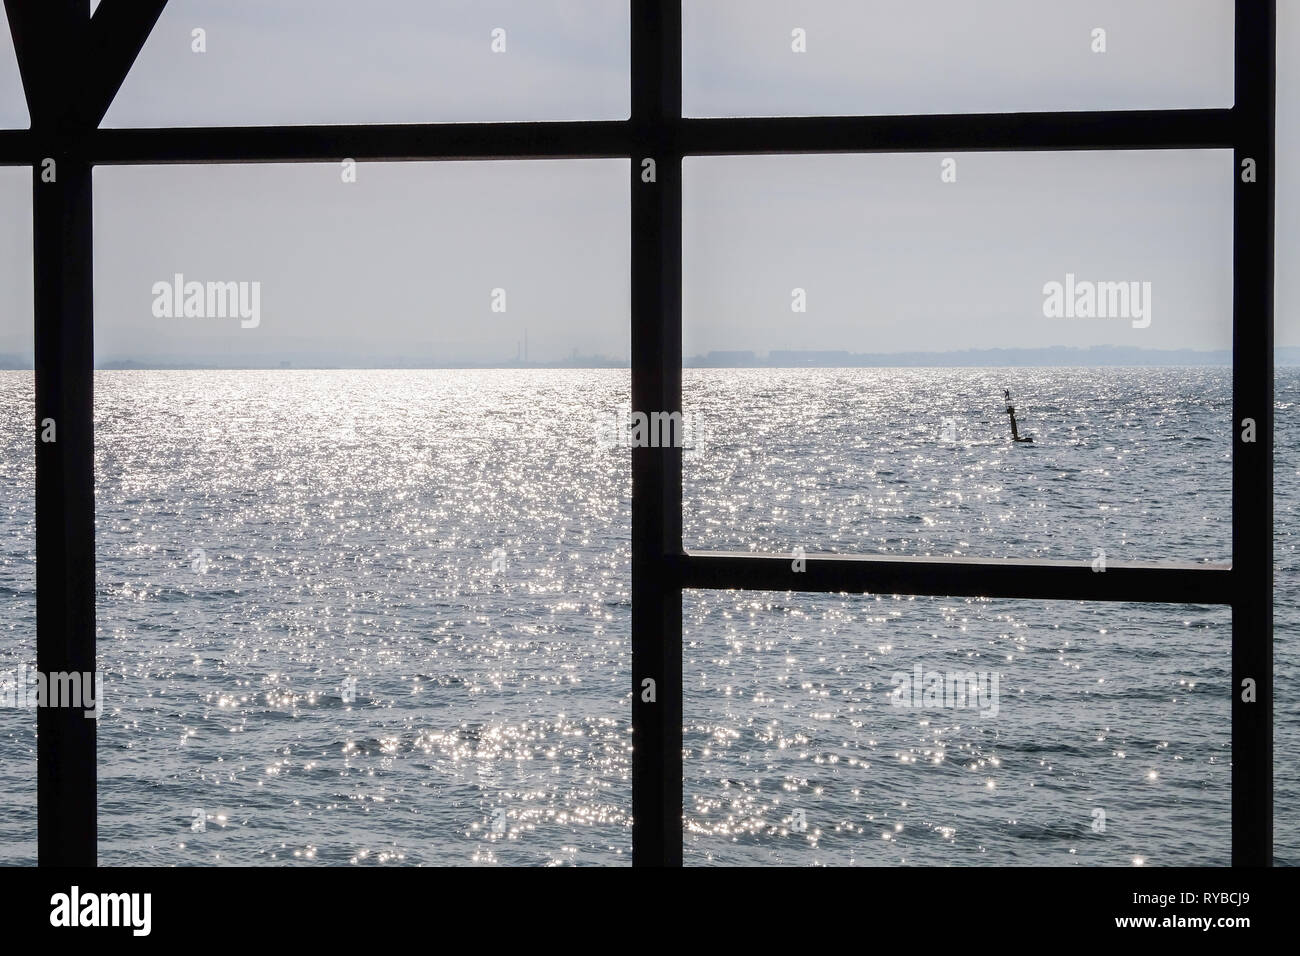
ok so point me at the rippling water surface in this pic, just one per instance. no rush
(359, 617)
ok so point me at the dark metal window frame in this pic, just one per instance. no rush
(72, 66)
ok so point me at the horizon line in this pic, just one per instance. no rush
(1042, 356)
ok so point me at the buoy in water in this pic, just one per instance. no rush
(1011, 411)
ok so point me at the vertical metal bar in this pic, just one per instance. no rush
(656, 471)
(55, 39)
(65, 507)
(1252, 459)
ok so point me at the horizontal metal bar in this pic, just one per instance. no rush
(288, 144)
(1125, 129)
(1161, 583)
(16, 147)
(1139, 129)
(438, 141)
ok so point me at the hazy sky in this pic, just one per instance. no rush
(893, 259)
(403, 262)
(936, 56)
(379, 61)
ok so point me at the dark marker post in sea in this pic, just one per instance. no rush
(1011, 410)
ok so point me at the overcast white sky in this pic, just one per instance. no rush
(403, 262)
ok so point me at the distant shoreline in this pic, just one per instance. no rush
(1057, 357)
